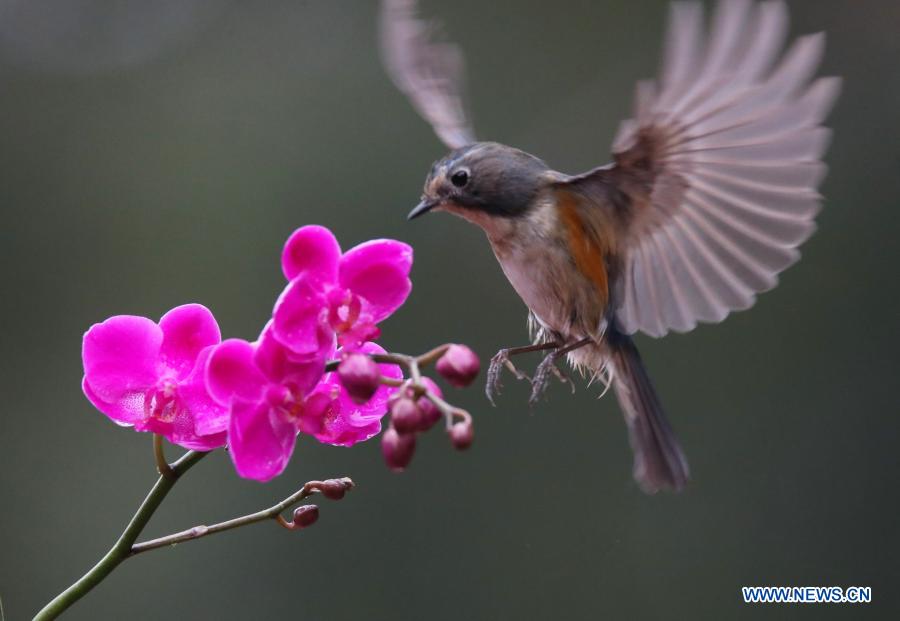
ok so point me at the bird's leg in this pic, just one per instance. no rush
(501, 359)
(548, 367)
(562, 377)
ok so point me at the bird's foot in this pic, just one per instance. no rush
(542, 374)
(495, 370)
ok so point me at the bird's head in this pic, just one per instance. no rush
(483, 180)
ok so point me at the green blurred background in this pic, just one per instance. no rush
(153, 154)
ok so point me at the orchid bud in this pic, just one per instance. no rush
(397, 449)
(459, 365)
(333, 489)
(462, 434)
(405, 415)
(305, 515)
(430, 412)
(360, 375)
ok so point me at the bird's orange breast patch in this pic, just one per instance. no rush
(588, 250)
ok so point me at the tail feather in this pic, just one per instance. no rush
(659, 462)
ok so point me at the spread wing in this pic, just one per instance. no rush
(428, 72)
(718, 168)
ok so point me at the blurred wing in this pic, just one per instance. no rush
(718, 167)
(428, 72)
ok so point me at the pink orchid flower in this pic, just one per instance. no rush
(333, 293)
(150, 376)
(268, 395)
(273, 397)
(345, 422)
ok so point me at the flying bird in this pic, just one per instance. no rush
(711, 189)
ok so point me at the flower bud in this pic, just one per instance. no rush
(397, 449)
(462, 434)
(430, 412)
(459, 365)
(305, 515)
(359, 374)
(333, 489)
(405, 415)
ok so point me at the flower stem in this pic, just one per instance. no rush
(428, 357)
(448, 410)
(122, 548)
(402, 360)
(413, 364)
(162, 466)
(272, 513)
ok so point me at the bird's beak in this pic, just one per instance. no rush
(426, 205)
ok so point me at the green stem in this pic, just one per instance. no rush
(122, 548)
(162, 466)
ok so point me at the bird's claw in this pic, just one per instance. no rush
(563, 378)
(542, 374)
(495, 370)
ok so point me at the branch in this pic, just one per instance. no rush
(412, 363)
(122, 548)
(332, 488)
(127, 547)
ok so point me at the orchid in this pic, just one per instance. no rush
(313, 370)
(272, 398)
(331, 293)
(345, 421)
(268, 396)
(149, 376)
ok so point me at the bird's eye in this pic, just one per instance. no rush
(460, 178)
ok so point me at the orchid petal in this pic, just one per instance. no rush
(232, 373)
(378, 272)
(316, 409)
(209, 417)
(186, 331)
(200, 442)
(121, 356)
(313, 253)
(298, 319)
(278, 365)
(260, 440)
(181, 429)
(361, 332)
(349, 434)
(346, 423)
(346, 428)
(151, 424)
(126, 411)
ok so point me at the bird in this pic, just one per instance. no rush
(711, 189)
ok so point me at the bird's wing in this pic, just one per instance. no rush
(428, 72)
(718, 169)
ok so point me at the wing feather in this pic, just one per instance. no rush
(716, 174)
(703, 303)
(430, 73)
(703, 252)
(645, 290)
(676, 304)
(797, 176)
